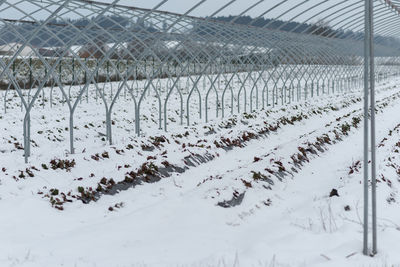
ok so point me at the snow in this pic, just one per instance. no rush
(287, 219)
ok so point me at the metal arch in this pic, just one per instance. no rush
(358, 25)
(180, 17)
(352, 23)
(28, 106)
(72, 108)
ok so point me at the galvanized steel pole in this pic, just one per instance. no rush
(369, 84)
(366, 121)
(373, 137)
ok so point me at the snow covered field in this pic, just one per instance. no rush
(248, 190)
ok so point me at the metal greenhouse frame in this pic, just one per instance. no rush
(244, 66)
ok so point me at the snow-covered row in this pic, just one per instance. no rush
(279, 187)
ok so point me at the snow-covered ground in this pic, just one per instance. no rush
(247, 190)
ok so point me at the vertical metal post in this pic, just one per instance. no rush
(373, 136)
(30, 73)
(366, 121)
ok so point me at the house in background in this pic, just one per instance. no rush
(97, 49)
(11, 48)
(53, 52)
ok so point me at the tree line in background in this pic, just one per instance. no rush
(52, 36)
(320, 28)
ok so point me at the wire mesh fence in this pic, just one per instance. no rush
(110, 52)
